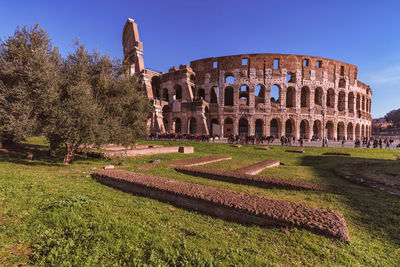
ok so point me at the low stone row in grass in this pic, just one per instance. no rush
(197, 161)
(254, 180)
(227, 204)
(258, 167)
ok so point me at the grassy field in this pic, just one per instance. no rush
(51, 214)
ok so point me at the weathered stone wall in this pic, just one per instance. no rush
(313, 92)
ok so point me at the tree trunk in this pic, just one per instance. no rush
(53, 147)
(69, 153)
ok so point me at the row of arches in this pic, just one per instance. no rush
(362, 102)
(277, 128)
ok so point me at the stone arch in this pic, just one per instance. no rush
(178, 92)
(229, 79)
(290, 127)
(177, 125)
(341, 131)
(362, 131)
(329, 130)
(166, 109)
(274, 128)
(342, 83)
(350, 102)
(243, 127)
(305, 97)
(259, 94)
(342, 101)
(330, 98)
(228, 126)
(201, 93)
(275, 93)
(357, 131)
(363, 103)
(358, 104)
(228, 96)
(214, 95)
(290, 97)
(166, 125)
(244, 95)
(192, 125)
(318, 96)
(350, 130)
(213, 122)
(165, 95)
(155, 85)
(305, 129)
(317, 129)
(259, 127)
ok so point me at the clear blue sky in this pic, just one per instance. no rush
(364, 33)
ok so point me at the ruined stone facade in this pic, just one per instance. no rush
(255, 94)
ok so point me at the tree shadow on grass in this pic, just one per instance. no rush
(376, 211)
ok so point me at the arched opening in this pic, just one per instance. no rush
(304, 129)
(193, 78)
(318, 96)
(362, 131)
(214, 127)
(358, 102)
(274, 128)
(228, 96)
(201, 93)
(290, 97)
(305, 97)
(214, 95)
(243, 127)
(259, 94)
(350, 131)
(178, 125)
(363, 103)
(342, 101)
(291, 77)
(340, 131)
(358, 136)
(228, 127)
(178, 92)
(259, 127)
(165, 122)
(275, 92)
(165, 95)
(155, 85)
(230, 79)
(330, 98)
(289, 128)
(165, 110)
(342, 83)
(351, 102)
(329, 130)
(317, 130)
(192, 126)
(244, 95)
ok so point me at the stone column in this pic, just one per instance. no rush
(297, 128)
(251, 128)
(235, 125)
(267, 129)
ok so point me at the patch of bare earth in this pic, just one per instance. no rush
(197, 161)
(227, 204)
(336, 153)
(296, 150)
(254, 180)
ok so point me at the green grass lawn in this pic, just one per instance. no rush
(51, 214)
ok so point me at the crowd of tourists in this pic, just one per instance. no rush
(289, 140)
